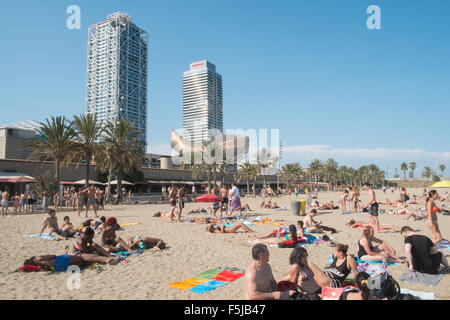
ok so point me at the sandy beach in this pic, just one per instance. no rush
(191, 251)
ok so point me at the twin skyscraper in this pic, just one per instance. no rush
(117, 76)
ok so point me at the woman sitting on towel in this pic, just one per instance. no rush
(368, 252)
(220, 228)
(360, 224)
(139, 242)
(341, 266)
(110, 240)
(302, 273)
(91, 252)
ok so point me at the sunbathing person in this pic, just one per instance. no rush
(387, 203)
(360, 224)
(62, 262)
(281, 236)
(327, 206)
(51, 223)
(274, 206)
(421, 253)
(88, 249)
(259, 282)
(246, 207)
(139, 242)
(368, 252)
(419, 215)
(198, 211)
(220, 228)
(203, 220)
(263, 204)
(312, 226)
(67, 229)
(109, 239)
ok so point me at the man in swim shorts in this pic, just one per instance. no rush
(51, 223)
(372, 205)
(4, 202)
(172, 201)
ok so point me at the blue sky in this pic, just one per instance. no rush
(312, 69)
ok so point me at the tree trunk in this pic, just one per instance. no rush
(108, 195)
(209, 180)
(248, 187)
(88, 169)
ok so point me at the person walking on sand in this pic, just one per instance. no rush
(172, 201)
(372, 205)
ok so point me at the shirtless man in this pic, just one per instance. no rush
(311, 225)
(51, 223)
(372, 205)
(172, 201)
(180, 198)
(4, 202)
(92, 201)
(259, 281)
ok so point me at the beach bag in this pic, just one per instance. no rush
(384, 286)
(329, 293)
(304, 296)
(287, 244)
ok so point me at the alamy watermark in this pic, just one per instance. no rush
(374, 20)
(74, 20)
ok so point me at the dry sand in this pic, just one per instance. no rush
(191, 252)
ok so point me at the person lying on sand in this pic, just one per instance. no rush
(203, 220)
(360, 224)
(368, 252)
(109, 238)
(139, 242)
(198, 211)
(419, 215)
(281, 236)
(62, 262)
(259, 282)
(280, 233)
(387, 203)
(220, 228)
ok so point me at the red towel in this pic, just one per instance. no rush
(227, 276)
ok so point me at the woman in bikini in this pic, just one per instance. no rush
(282, 235)
(343, 200)
(80, 202)
(91, 252)
(109, 239)
(368, 252)
(139, 242)
(360, 224)
(220, 228)
(355, 200)
(432, 217)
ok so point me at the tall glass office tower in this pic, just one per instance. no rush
(117, 71)
(202, 102)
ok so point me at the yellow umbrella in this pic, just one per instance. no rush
(441, 184)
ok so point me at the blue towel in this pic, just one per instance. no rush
(346, 212)
(208, 286)
(43, 236)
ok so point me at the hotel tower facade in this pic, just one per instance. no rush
(202, 102)
(117, 71)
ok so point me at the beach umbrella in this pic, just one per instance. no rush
(123, 182)
(441, 184)
(208, 198)
(22, 179)
(83, 181)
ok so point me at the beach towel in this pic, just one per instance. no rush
(45, 236)
(378, 262)
(371, 268)
(29, 268)
(346, 212)
(129, 224)
(209, 280)
(443, 245)
(268, 223)
(419, 294)
(417, 277)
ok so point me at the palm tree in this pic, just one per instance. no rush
(248, 172)
(442, 168)
(291, 172)
(314, 170)
(412, 166)
(88, 131)
(54, 141)
(404, 168)
(427, 173)
(263, 159)
(125, 148)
